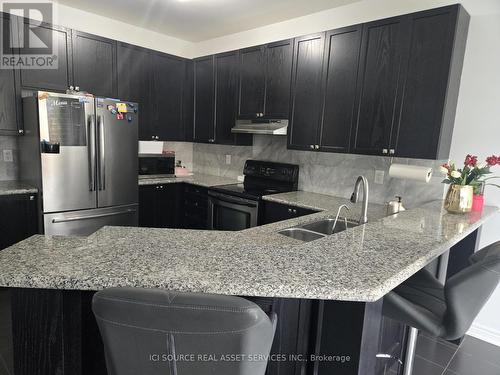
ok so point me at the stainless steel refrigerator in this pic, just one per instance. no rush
(81, 153)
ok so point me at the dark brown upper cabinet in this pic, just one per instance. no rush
(226, 99)
(340, 70)
(381, 75)
(94, 64)
(306, 97)
(430, 90)
(408, 83)
(278, 76)
(265, 73)
(168, 80)
(188, 101)
(216, 99)
(50, 79)
(10, 97)
(252, 82)
(135, 84)
(204, 99)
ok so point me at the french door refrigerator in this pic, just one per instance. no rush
(81, 153)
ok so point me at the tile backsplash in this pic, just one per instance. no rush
(8, 169)
(326, 173)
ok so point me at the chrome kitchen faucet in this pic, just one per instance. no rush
(355, 196)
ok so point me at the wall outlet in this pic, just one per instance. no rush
(228, 159)
(379, 177)
(8, 156)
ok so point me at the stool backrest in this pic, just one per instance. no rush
(469, 290)
(153, 332)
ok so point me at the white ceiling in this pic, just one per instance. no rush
(198, 20)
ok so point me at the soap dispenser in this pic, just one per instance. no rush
(395, 206)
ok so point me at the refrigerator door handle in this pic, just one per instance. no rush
(102, 159)
(77, 218)
(91, 151)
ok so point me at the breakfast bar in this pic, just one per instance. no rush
(327, 287)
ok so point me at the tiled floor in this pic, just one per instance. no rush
(472, 357)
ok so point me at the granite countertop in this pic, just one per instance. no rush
(322, 202)
(199, 179)
(359, 264)
(16, 187)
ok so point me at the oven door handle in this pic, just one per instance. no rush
(233, 200)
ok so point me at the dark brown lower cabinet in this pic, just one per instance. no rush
(18, 219)
(159, 206)
(272, 212)
(194, 207)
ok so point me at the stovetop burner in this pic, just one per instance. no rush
(263, 178)
(240, 191)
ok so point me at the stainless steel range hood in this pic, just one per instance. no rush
(272, 127)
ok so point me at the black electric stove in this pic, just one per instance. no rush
(263, 178)
(236, 206)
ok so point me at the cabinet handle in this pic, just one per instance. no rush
(385, 151)
(316, 147)
(311, 147)
(290, 210)
(392, 151)
(32, 197)
(152, 137)
(20, 132)
(294, 211)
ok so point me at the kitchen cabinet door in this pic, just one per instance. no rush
(188, 102)
(168, 80)
(226, 99)
(430, 91)
(158, 205)
(194, 207)
(135, 85)
(278, 76)
(340, 70)
(19, 218)
(273, 212)
(94, 64)
(204, 100)
(50, 79)
(147, 206)
(252, 82)
(379, 84)
(10, 97)
(167, 201)
(305, 115)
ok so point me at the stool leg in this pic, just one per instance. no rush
(411, 347)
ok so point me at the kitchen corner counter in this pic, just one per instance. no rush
(16, 187)
(360, 264)
(322, 202)
(198, 179)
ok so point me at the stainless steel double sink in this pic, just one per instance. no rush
(318, 229)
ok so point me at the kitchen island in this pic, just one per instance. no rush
(348, 273)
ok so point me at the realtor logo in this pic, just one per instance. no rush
(26, 42)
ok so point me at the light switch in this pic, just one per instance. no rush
(8, 156)
(228, 159)
(379, 177)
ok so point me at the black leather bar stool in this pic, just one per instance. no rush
(446, 311)
(154, 331)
